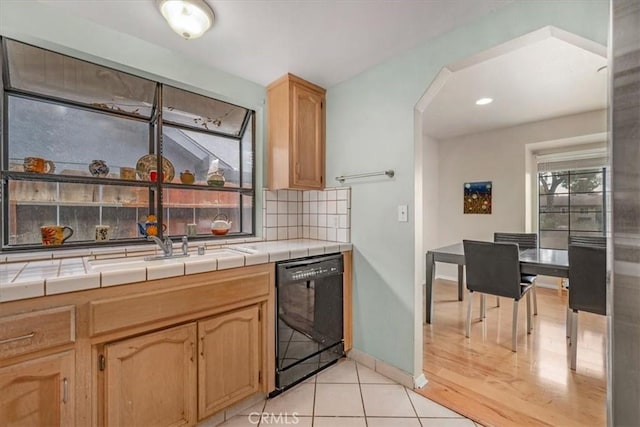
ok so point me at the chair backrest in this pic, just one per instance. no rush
(588, 240)
(524, 240)
(588, 278)
(493, 268)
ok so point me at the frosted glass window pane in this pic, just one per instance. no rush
(72, 137)
(196, 150)
(48, 73)
(201, 112)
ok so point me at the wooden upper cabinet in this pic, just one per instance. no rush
(295, 134)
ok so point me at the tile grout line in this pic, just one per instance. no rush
(315, 389)
(364, 411)
(406, 391)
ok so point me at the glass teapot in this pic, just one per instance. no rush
(220, 225)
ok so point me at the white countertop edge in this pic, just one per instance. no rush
(280, 250)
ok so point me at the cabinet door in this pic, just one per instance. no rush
(229, 362)
(150, 380)
(308, 155)
(38, 392)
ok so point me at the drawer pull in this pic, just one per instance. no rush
(23, 337)
(65, 390)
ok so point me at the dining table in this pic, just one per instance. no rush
(548, 262)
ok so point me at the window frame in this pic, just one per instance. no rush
(566, 210)
(155, 146)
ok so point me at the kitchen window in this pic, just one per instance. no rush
(86, 145)
(571, 202)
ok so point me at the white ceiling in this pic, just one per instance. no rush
(539, 80)
(326, 41)
(329, 41)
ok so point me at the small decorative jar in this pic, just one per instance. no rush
(187, 177)
(99, 168)
(216, 179)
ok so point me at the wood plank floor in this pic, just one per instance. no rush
(482, 379)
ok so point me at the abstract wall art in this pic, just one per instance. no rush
(477, 197)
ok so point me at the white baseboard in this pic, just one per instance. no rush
(389, 371)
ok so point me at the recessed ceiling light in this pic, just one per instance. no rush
(484, 101)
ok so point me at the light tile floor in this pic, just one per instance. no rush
(349, 395)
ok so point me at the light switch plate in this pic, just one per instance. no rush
(402, 213)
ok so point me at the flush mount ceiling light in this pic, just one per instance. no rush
(484, 101)
(189, 18)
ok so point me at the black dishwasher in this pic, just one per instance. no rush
(309, 325)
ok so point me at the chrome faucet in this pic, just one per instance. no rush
(185, 245)
(166, 246)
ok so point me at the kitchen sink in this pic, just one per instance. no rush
(123, 263)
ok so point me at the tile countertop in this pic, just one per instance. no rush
(22, 278)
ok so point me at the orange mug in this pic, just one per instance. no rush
(150, 228)
(54, 235)
(38, 165)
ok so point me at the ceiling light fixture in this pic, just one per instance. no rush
(484, 101)
(189, 18)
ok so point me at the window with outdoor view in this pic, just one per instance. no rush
(571, 202)
(87, 148)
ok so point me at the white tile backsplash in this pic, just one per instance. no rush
(270, 195)
(322, 233)
(293, 214)
(283, 233)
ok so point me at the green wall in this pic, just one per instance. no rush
(370, 127)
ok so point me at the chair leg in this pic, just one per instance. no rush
(535, 298)
(574, 339)
(514, 327)
(497, 301)
(468, 328)
(529, 319)
(483, 311)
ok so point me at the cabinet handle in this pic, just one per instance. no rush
(65, 390)
(20, 338)
(298, 169)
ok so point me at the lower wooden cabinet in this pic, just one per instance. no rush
(170, 378)
(229, 359)
(38, 392)
(150, 380)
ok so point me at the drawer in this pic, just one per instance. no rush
(36, 330)
(205, 292)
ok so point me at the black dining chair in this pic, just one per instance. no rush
(597, 241)
(524, 241)
(588, 287)
(494, 269)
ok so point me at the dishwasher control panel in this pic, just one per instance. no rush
(309, 268)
